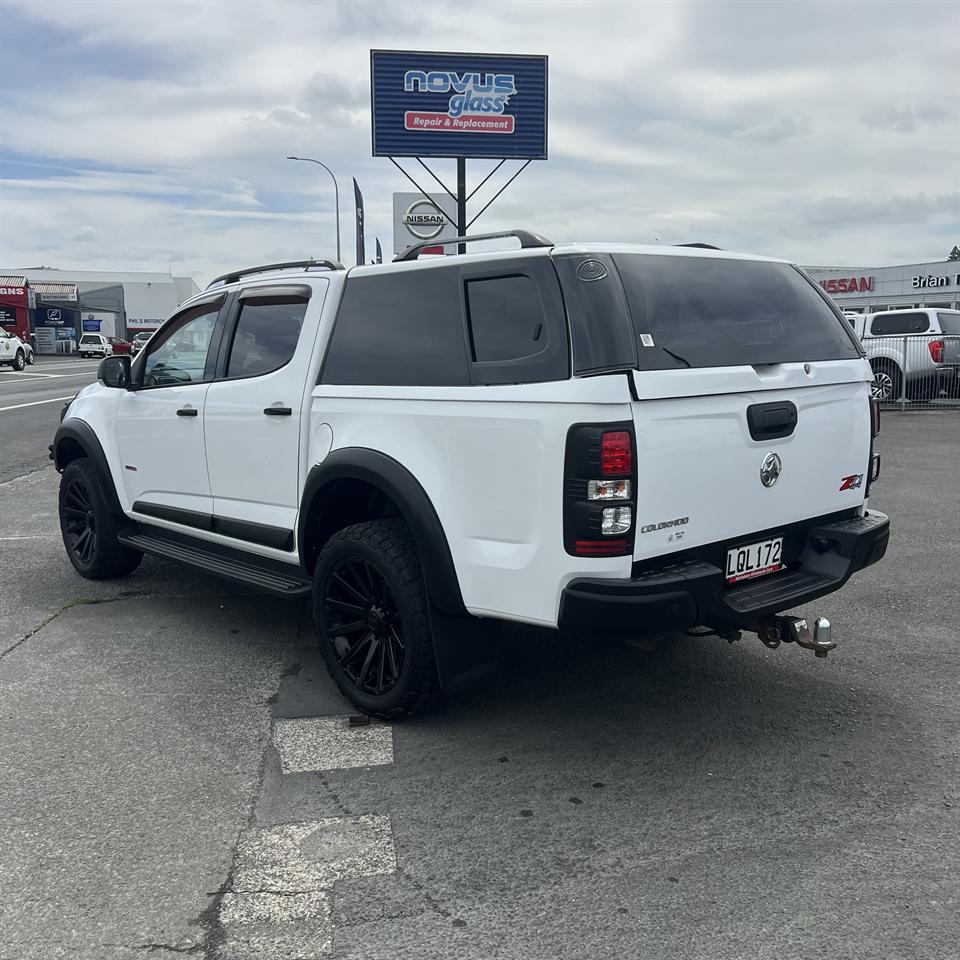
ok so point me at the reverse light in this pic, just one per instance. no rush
(616, 520)
(936, 350)
(608, 489)
(616, 453)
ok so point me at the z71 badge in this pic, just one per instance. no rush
(852, 482)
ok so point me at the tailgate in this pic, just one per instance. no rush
(699, 449)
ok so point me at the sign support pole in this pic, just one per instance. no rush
(461, 202)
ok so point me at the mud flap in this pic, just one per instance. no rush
(465, 650)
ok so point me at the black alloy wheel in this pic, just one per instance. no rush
(373, 619)
(89, 526)
(364, 626)
(79, 523)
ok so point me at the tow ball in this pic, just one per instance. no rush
(797, 630)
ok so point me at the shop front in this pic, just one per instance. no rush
(874, 289)
(56, 328)
(16, 302)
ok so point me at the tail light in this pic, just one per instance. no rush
(874, 417)
(936, 350)
(599, 486)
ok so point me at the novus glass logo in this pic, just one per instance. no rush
(476, 103)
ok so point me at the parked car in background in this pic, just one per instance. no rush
(120, 346)
(914, 353)
(139, 342)
(13, 351)
(95, 345)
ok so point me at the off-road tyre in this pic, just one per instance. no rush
(89, 527)
(370, 574)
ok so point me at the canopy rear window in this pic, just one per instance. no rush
(669, 312)
(706, 312)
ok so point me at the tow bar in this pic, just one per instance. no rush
(796, 630)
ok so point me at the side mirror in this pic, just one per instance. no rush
(114, 371)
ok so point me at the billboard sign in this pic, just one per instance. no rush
(458, 105)
(417, 218)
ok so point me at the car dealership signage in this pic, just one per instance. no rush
(417, 218)
(848, 284)
(458, 105)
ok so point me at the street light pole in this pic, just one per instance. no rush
(336, 193)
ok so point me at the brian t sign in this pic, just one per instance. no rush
(458, 105)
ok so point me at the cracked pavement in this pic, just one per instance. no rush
(701, 800)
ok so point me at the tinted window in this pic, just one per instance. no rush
(950, 323)
(178, 352)
(707, 312)
(893, 323)
(89, 338)
(399, 328)
(599, 322)
(266, 335)
(506, 319)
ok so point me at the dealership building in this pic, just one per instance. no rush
(54, 308)
(871, 289)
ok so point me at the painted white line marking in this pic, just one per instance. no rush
(330, 743)
(299, 857)
(30, 375)
(23, 538)
(274, 907)
(282, 879)
(36, 403)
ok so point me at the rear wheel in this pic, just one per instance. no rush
(371, 611)
(887, 381)
(90, 528)
(30, 357)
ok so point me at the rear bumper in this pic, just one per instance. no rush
(692, 593)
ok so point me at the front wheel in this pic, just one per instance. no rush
(372, 616)
(90, 528)
(18, 361)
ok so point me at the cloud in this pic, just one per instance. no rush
(143, 136)
(907, 119)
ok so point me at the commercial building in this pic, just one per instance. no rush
(55, 307)
(870, 289)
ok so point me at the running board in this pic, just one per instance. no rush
(274, 576)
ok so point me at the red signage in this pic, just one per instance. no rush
(17, 295)
(848, 284)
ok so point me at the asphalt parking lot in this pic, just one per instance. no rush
(178, 775)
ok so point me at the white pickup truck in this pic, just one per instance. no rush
(914, 353)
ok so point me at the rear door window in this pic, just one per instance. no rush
(718, 312)
(266, 335)
(892, 324)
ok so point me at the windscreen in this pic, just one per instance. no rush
(713, 312)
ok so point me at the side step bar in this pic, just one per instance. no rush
(283, 579)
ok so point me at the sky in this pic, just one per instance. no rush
(152, 136)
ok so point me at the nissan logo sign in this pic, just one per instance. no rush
(423, 220)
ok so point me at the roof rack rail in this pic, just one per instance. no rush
(701, 246)
(527, 240)
(235, 275)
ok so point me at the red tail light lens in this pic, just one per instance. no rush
(936, 350)
(874, 416)
(600, 548)
(616, 453)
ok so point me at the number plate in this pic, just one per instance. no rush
(754, 560)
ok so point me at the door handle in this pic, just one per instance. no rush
(278, 411)
(187, 412)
